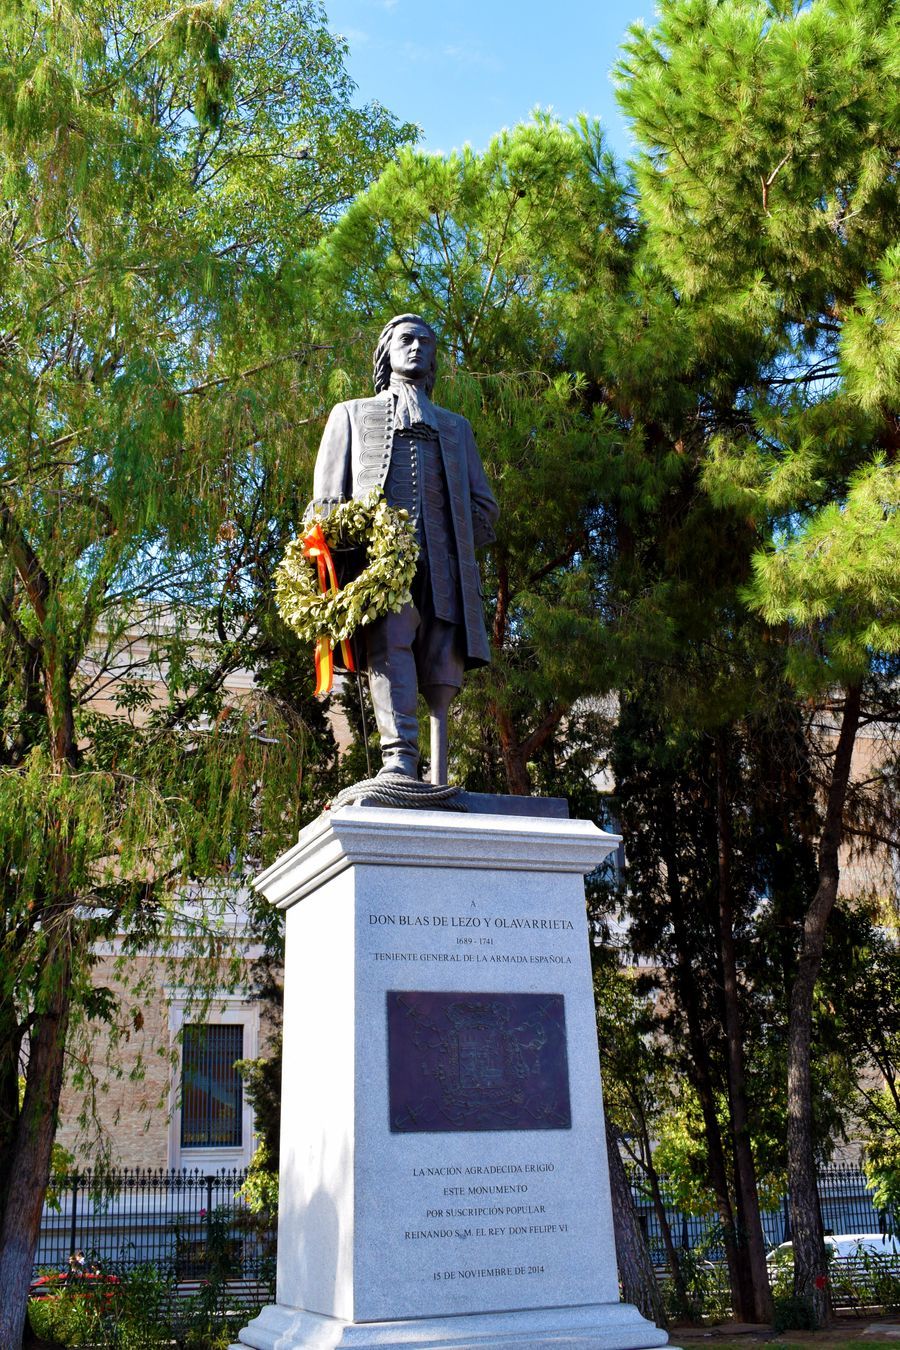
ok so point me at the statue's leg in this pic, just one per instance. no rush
(392, 682)
(440, 663)
(439, 697)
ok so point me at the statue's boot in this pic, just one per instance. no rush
(392, 683)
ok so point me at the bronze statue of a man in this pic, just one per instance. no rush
(425, 459)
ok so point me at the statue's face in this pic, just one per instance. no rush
(412, 351)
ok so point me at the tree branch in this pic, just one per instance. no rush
(25, 561)
(767, 182)
(255, 370)
(542, 731)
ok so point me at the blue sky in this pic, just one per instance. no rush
(462, 69)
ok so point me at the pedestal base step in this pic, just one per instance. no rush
(601, 1326)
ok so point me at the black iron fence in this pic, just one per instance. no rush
(846, 1202)
(192, 1226)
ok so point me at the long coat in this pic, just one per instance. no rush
(354, 458)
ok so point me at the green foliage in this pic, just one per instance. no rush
(160, 170)
(860, 1001)
(841, 573)
(681, 1156)
(684, 386)
(260, 1188)
(882, 1153)
(639, 1076)
(262, 1078)
(392, 552)
(143, 1308)
(781, 1272)
(703, 1295)
(870, 349)
(494, 248)
(878, 1283)
(866, 1279)
(768, 191)
(62, 1164)
(768, 144)
(768, 181)
(794, 1312)
(130, 1314)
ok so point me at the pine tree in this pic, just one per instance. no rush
(768, 182)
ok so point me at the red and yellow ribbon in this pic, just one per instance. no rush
(315, 545)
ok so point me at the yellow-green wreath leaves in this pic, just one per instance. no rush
(382, 588)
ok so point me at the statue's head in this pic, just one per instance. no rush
(401, 337)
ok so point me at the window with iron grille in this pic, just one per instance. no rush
(211, 1115)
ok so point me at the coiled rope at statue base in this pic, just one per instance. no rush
(397, 789)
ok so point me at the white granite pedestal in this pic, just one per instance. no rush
(443, 1166)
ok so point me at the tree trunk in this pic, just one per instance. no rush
(645, 1162)
(639, 1283)
(32, 1146)
(738, 1275)
(515, 763)
(750, 1235)
(665, 1229)
(10, 1050)
(686, 975)
(810, 1272)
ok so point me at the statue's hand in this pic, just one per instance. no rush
(322, 507)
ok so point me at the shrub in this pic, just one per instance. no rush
(793, 1312)
(707, 1293)
(873, 1279)
(129, 1315)
(781, 1272)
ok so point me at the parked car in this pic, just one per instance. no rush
(845, 1246)
(74, 1279)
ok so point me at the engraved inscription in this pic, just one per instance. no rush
(461, 1061)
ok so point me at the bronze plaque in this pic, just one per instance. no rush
(477, 1062)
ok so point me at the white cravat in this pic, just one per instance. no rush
(412, 406)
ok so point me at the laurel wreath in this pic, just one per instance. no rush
(382, 588)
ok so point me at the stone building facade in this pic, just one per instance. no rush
(161, 1090)
(156, 1088)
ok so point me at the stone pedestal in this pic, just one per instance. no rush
(443, 1167)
